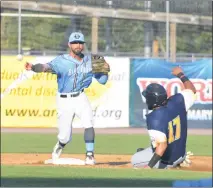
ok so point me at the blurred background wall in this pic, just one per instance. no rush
(173, 30)
(141, 41)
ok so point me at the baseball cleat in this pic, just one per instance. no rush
(90, 160)
(57, 151)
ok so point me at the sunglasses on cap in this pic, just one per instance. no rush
(77, 42)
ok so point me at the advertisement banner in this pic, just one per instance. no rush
(144, 72)
(28, 99)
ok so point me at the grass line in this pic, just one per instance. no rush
(67, 176)
(105, 144)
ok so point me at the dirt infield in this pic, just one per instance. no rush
(199, 163)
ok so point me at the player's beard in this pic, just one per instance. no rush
(78, 53)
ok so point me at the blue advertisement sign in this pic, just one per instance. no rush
(146, 71)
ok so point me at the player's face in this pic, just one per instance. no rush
(76, 47)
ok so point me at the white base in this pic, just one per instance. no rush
(65, 161)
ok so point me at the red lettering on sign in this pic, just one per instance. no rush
(174, 85)
(200, 89)
(143, 83)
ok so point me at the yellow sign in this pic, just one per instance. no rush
(32, 102)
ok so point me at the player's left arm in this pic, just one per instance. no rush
(159, 141)
(189, 92)
(161, 148)
(102, 68)
(101, 78)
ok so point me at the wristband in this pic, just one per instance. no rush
(155, 158)
(184, 79)
(37, 68)
(179, 75)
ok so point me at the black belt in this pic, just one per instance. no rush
(71, 95)
(171, 163)
(166, 162)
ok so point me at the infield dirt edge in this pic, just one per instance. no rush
(199, 163)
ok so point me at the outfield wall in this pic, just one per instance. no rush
(31, 102)
(144, 72)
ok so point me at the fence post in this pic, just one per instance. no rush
(94, 35)
(167, 30)
(19, 27)
(173, 41)
(155, 48)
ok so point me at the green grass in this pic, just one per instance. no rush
(69, 176)
(105, 144)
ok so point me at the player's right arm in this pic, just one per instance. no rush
(189, 91)
(38, 67)
(177, 71)
(52, 66)
(159, 142)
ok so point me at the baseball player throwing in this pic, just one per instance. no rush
(167, 125)
(74, 73)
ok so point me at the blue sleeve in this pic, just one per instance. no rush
(157, 120)
(177, 100)
(54, 65)
(101, 78)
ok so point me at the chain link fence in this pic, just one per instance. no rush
(47, 32)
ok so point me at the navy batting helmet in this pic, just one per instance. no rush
(155, 95)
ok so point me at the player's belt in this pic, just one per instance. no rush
(167, 163)
(173, 163)
(71, 95)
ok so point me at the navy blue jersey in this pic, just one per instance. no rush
(172, 121)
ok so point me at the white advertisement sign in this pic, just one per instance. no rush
(110, 102)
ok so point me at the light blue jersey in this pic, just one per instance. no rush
(73, 75)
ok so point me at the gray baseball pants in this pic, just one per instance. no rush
(142, 158)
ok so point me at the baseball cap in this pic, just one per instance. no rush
(76, 37)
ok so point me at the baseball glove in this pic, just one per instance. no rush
(99, 65)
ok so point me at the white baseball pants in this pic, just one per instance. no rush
(67, 108)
